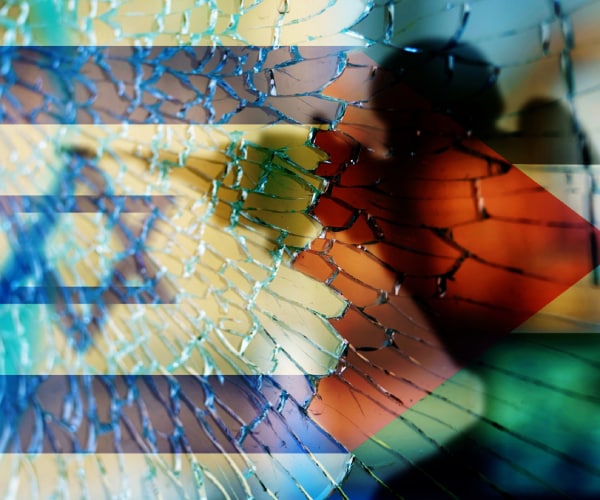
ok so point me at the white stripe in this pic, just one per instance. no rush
(241, 307)
(288, 476)
(139, 22)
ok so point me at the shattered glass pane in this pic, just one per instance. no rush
(285, 249)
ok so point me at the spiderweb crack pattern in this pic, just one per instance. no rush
(160, 333)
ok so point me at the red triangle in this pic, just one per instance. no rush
(445, 205)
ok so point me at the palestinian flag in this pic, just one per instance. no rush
(253, 250)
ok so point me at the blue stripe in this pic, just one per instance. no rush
(83, 294)
(83, 203)
(158, 414)
(170, 85)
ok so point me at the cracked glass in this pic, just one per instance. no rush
(288, 249)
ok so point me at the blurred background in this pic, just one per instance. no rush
(374, 222)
